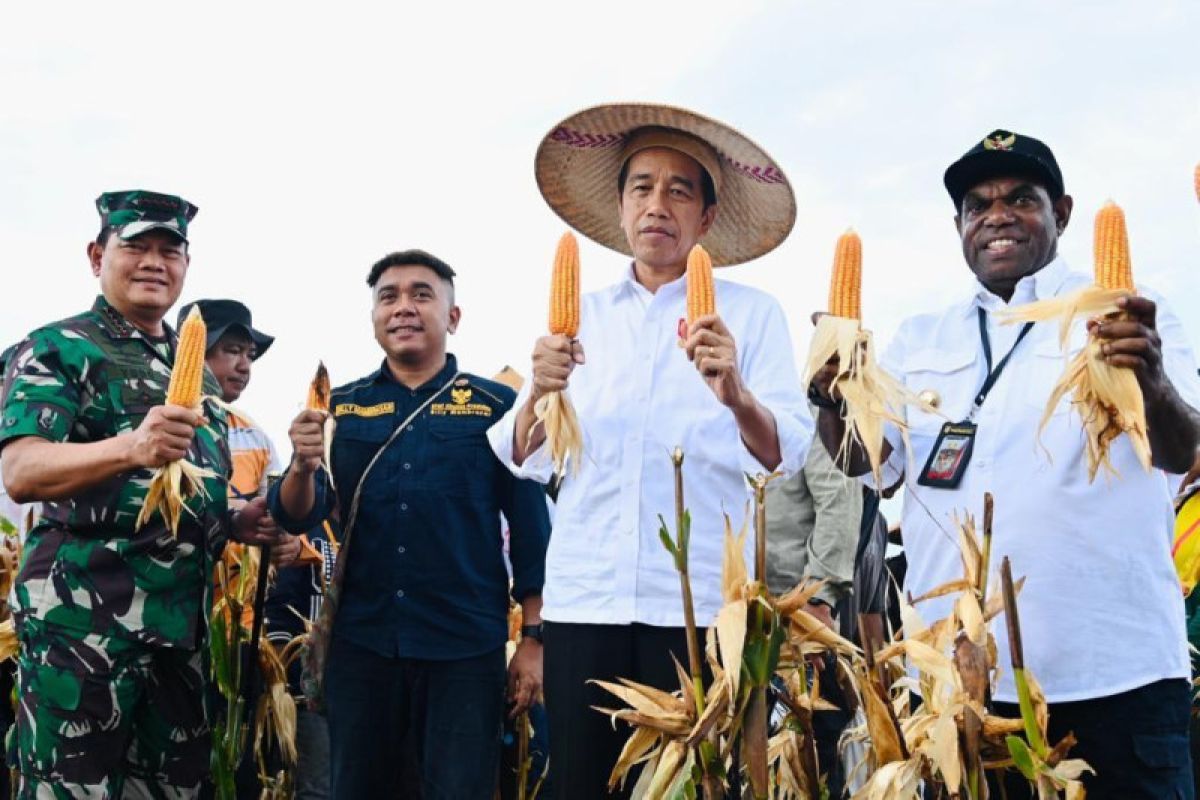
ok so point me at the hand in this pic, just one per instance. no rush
(823, 378)
(710, 346)
(525, 677)
(252, 524)
(164, 436)
(554, 357)
(1134, 343)
(307, 433)
(285, 551)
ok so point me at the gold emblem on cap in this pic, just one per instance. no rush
(999, 142)
(930, 398)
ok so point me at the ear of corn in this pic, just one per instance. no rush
(174, 484)
(1108, 399)
(845, 286)
(318, 390)
(701, 294)
(872, 396)
(187, 376)
(554, 411)
(564, 288)
(1113, 267)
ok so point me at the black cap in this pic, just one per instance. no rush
(223, 315)
(1004, 154)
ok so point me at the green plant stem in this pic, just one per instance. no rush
(685, 584)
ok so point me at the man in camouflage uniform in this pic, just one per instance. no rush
(112, 619)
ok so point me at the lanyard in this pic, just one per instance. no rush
(993, 372)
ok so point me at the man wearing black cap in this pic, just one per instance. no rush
(111, 615)
(1101, 612)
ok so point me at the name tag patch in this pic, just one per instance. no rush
(354, 409)
(461, 405)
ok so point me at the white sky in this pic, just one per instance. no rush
(317, 138)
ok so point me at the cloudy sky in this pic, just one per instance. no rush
(316, 138)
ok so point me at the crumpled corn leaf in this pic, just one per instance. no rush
(636, 749)
(9, 644)
(171, 486)
(563, 434)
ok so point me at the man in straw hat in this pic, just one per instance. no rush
(1101, 613)
(651, 181)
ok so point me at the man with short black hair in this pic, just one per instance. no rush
(1096, 556)
(416, 665)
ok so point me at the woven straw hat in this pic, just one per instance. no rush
(578, 162)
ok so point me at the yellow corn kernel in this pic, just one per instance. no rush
(701, 294)
(318, 390)
(187, 376)
(564, 288)
(845, 286)
(1111, 250)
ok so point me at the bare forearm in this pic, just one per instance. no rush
(756, 424)
(298, 493)
(36, 470)
(531, 609)
(523, 442)
(1174, 431)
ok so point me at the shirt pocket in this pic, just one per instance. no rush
(356, 440)
(458, 457)
(946, 377)
(131, 400)
(1045, 366)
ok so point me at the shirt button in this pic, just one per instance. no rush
(404, 506)
(410, 427)
(400, 594)
(408, 466)
(414, 394)
(400, 550)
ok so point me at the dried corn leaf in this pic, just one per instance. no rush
(636, 749)
(734, 574)
(9, 643)
(731, 637)
(171, 486)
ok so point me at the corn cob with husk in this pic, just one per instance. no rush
(173, 484)
(701, 293)
(1107, 398)
(555, 411)
(318, 400)
(872, 396)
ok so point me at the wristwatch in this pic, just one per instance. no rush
(532, 632)
(820, 401)
(816, 601)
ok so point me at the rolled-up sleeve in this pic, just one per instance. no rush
(537, 465)
(769, 370)
(524, 505)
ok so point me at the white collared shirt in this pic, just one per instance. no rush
(637, 398)
(1102, 609)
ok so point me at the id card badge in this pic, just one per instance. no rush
(950, 455)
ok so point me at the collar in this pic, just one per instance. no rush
(630, 285)
(1047, 282)
(384, 375)
(117, 326)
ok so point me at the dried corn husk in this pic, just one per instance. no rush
(873, 397)
(1108, 399)
(319, 394)
(554, 411)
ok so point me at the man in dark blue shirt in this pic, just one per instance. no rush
(416, 662)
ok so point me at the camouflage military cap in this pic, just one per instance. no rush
(132, 213)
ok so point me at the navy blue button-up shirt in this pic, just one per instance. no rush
(425, 572)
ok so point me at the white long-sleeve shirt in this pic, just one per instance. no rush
(637, 398)
(1102, 610)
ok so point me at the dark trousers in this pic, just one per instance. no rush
(1137, 742)
(583, 744)
(410, 728)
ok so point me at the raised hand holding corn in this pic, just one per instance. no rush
(175, 480)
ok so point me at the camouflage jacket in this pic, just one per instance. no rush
(85, 568)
